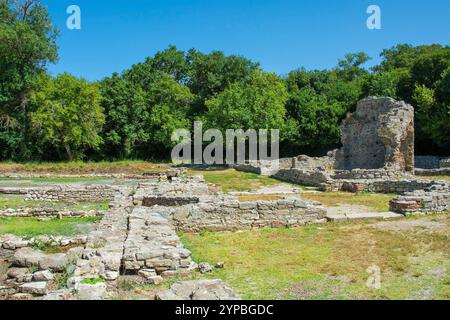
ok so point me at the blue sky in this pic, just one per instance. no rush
(280, 34)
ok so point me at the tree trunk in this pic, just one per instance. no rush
(69, 152)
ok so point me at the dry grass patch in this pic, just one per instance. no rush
(126, 167)
(328, 262)
(379, 202)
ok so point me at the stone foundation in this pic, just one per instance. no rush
(49, 213)
(153, 245)
(433, 200)
(70, 194)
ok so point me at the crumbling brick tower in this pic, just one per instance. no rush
(380, 134)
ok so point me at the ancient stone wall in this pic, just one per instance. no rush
(304, 177)
(433, 200)
(49, 213)
(70, 194)
(427, 162)
(229, 214)
(380, 134)
(432, 172)
(364, 174)
(378, 186)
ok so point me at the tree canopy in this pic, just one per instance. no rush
(132, 114)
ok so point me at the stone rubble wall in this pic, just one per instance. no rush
(70, 194)
(378, 186)
(379, 134)
(433, 200)
(229, 214)
(432, 172)
(364, 174)
(102, 256)
(152, 245)
(49, 213)
(427, 162)
(12, 242)
(303, 177)
(432, 162)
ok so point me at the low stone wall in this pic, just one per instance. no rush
(427, 162)
(304, 177)
(152, 247)
(432, 162)
(12, 242)
(433, 172)
(377, 186)
(48, 213)
(445, 163)
(422, 202)
(168, 201)
(364, 174)
(232, 215)
(70, 194)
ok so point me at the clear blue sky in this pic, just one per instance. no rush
(280, 34)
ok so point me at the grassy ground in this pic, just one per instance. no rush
(379, 202)
(329, 261)
(33, 227)
(54, 180)
(129, 167)
(435, 177)
(18, 202)
(232, 180)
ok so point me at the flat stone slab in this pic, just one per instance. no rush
(198, 290)
(35, 288)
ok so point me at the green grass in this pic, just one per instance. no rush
(57, 180)
(33, 227)
(18, 202)
(379, 202)
(327, 262)
(232, 180)
(92, 281)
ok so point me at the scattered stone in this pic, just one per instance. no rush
(91, 291)
(198, 290)
(55, 262)
(204, 267)
(63, 294)
(17, 272)
(45, 275)
(21, 297)
(27, 257)
(35, 288)
(220, 265)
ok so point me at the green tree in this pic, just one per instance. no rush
(259, 104)
(126, 117)
(211, 74)
(68, 115)
(170, 103)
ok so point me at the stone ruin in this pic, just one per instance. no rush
(380, 134)
(377, 156)
(137, 238)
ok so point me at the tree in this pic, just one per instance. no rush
(350, 67)
(211, 74)
(313, 122)
(126, 117)
(27, 45)
(259, 104)
(170, 103)
(68, 115)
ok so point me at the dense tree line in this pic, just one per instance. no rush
(133, 114)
